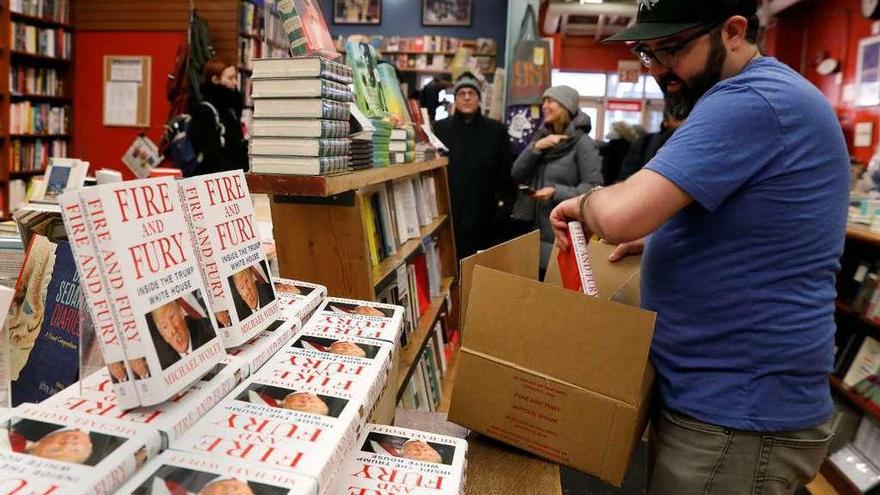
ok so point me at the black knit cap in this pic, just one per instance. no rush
(663, 18)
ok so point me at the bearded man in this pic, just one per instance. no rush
(742, 218)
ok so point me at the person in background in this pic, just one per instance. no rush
(479, 168)
(742, 220)
(614, 151)
(561, 162)
(216, 121)
(645, 147)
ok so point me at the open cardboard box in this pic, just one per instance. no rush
(552, 371)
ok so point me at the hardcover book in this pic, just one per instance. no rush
(185, 473)
(399, 460)
(306, 29)
(146, 258)
(94, 396)
(299, 147)
(302, 108)
(349, 317)
(255, 352)
(97, 297)
(299, 299)
(349, 364)
(300, 88)
(394, 101)
(574, 265)
(299, 165)
(48, 451)
(233, 263)
(306, 128)
(367, 86)
(304, 430)
(866, 362)
(44, 322)
(301, 67)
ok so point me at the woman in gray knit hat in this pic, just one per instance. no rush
(561, 162)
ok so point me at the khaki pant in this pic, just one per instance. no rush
(689, 457)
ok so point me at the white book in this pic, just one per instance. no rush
(579, 245)
(185, 473)
(97, 297)
(398, 146)
(438, 346)
(865, 364)
(422, 210)
(280, 146)
(304, 128)
(345, 364)
(300, 88)
(299, 299)
(301, 108)
(302, 430)
(301, 67)
(388, 233)
(405, 207)
(348, 317)
(160, 305)
(94, 396)
(431, 194)
(233, 263)
(398, 135)
(97, 456)
(298, 165)
(64, 174)
(255, 352)
(399, 460)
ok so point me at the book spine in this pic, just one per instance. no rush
(333, 147)
(122, 305)
(82, 244)
(579, 244)
(335, 129)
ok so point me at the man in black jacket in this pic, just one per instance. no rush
(645, 147)
(479, 170)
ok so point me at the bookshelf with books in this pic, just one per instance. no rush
(854, 381)
(435, 54)
(36, 104)
(349, 232)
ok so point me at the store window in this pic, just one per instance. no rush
(586, 83)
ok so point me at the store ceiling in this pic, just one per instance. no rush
(599, 20)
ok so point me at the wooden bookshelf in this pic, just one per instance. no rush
(40, 21)
(853, 398)
(836, 479)
(412, 353)
(862, 234)
(387, 266)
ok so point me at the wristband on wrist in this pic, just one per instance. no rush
(583, 201)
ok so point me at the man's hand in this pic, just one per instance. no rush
(567, 211)
(544, 193)
(549, 141)
(627, 249)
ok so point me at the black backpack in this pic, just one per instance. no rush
(179, 148)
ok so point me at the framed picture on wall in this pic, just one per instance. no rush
(868, 72)
(357, 11)
(447, 12)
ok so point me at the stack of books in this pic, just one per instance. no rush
(301, 116)
(381, 142)
(402, 148)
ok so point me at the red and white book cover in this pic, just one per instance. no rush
(256, 351)
(146, 257)
(354, 318)
(348, 364)
(94, 396)
(187, 473)
(574, 265)
(299, 299)
(231, 255)
(398, 460)
(303, 429)
(97, 299)
(50, 451)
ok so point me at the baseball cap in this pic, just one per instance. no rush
(662, 18)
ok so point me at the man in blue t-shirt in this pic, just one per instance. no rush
(741, 217)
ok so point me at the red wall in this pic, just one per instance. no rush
(809, 31)
(104, 146)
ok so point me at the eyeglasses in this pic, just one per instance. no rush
(667, 56)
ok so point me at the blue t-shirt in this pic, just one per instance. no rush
(743, 279)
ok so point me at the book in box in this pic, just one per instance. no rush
(354, 318)
(185, 473)
(160, 308)
(46, 450)
(255, 352)
(299, 299)
(304, 430)
(399, 460)
(94, 396)
(230, 253)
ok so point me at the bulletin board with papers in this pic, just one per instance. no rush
(127, 91)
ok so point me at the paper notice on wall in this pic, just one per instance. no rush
(120, 103)
(127, 70)
(864, 135)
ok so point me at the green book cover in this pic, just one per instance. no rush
(361, 57)
(394, 100)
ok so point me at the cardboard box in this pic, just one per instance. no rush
(552, 371)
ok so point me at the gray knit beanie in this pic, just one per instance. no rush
(467, 82)
(567, 96)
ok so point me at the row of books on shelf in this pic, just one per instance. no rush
(445, 44)
(251, 18)
(34, 155)
(25, 80)
(46, 42)
(275, 35)
(248, 50)
(55, 10)
(396, 213)
(424, 391)
(38, 118)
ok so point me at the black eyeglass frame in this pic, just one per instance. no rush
(648, 56)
